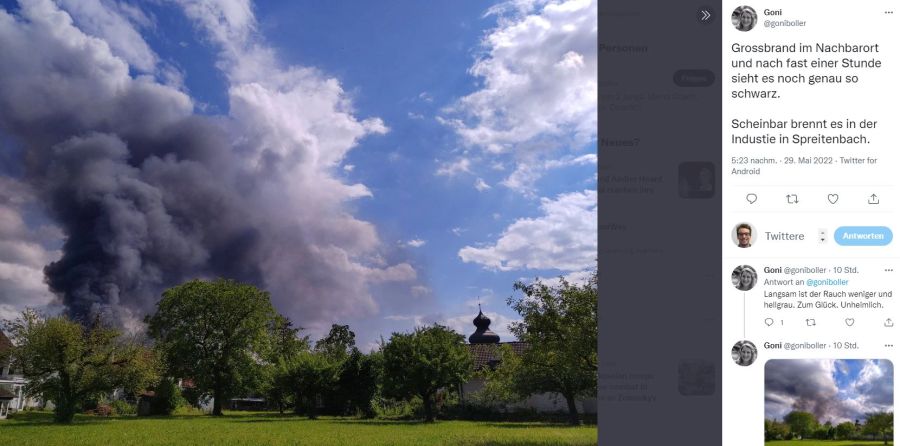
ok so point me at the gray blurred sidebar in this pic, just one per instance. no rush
(660, 223)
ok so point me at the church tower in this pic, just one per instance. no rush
(483, 333)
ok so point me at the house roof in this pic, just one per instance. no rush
(5, 344)
(487, 354)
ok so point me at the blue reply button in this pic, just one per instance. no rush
(863, 235)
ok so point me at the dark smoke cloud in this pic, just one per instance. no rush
(147, 194)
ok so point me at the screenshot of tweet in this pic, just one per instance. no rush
(809, 174)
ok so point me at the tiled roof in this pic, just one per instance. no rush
(485, 354)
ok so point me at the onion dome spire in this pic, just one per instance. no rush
(483, 333)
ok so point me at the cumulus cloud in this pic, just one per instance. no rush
(563, 238)
(832, 390)
(147, 195)
(538, 82)
(117, 24)
(481, 185)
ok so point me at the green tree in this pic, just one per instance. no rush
(284, 339)
(844, 431)
(358, 383)
(801, 423)
(285, 344)
(167, 397)
(501, 383)
(559, 324)
(315, 375)
(339, 343)
(776, 431)
(213, 333)
(68, 363)
(424, 361)
(880, 423)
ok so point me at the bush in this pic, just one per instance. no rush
(122, 407)
(103, 410)
(391, 409)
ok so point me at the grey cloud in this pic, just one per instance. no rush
(147, 195)
(809, 385)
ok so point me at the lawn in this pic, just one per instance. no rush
(825, 443)
(242, 428)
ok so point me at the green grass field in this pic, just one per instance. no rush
(241, 428)
(825, 443)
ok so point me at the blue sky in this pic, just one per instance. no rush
(452, 143)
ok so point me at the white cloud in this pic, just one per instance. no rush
(415, 243)
(574, 278)
(528, 172)
(115, 23)
(349, 167)
(454, 168)
(481, 185)
(564, 238)
(539, 78)
(457, 231)
(420, 290)
(23, 253)
(537, 90)
(415, 116)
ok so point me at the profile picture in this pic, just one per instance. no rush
(743, 235)
(744, 278)
(743, 353)
(696, 179)
(743, 18)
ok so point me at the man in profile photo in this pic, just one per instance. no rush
(744, 233)
(743, 18)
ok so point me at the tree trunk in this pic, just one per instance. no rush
(218, 395)
(298, 403)
(64, 410)
(311, 411)
(574, 419)
(426, 402)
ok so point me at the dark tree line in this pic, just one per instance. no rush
(804, 425)
(226, 339)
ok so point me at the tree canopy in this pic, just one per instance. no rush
(559, 324)
(881, 424)
(214, 332)
(421, 362)
(68, 363)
